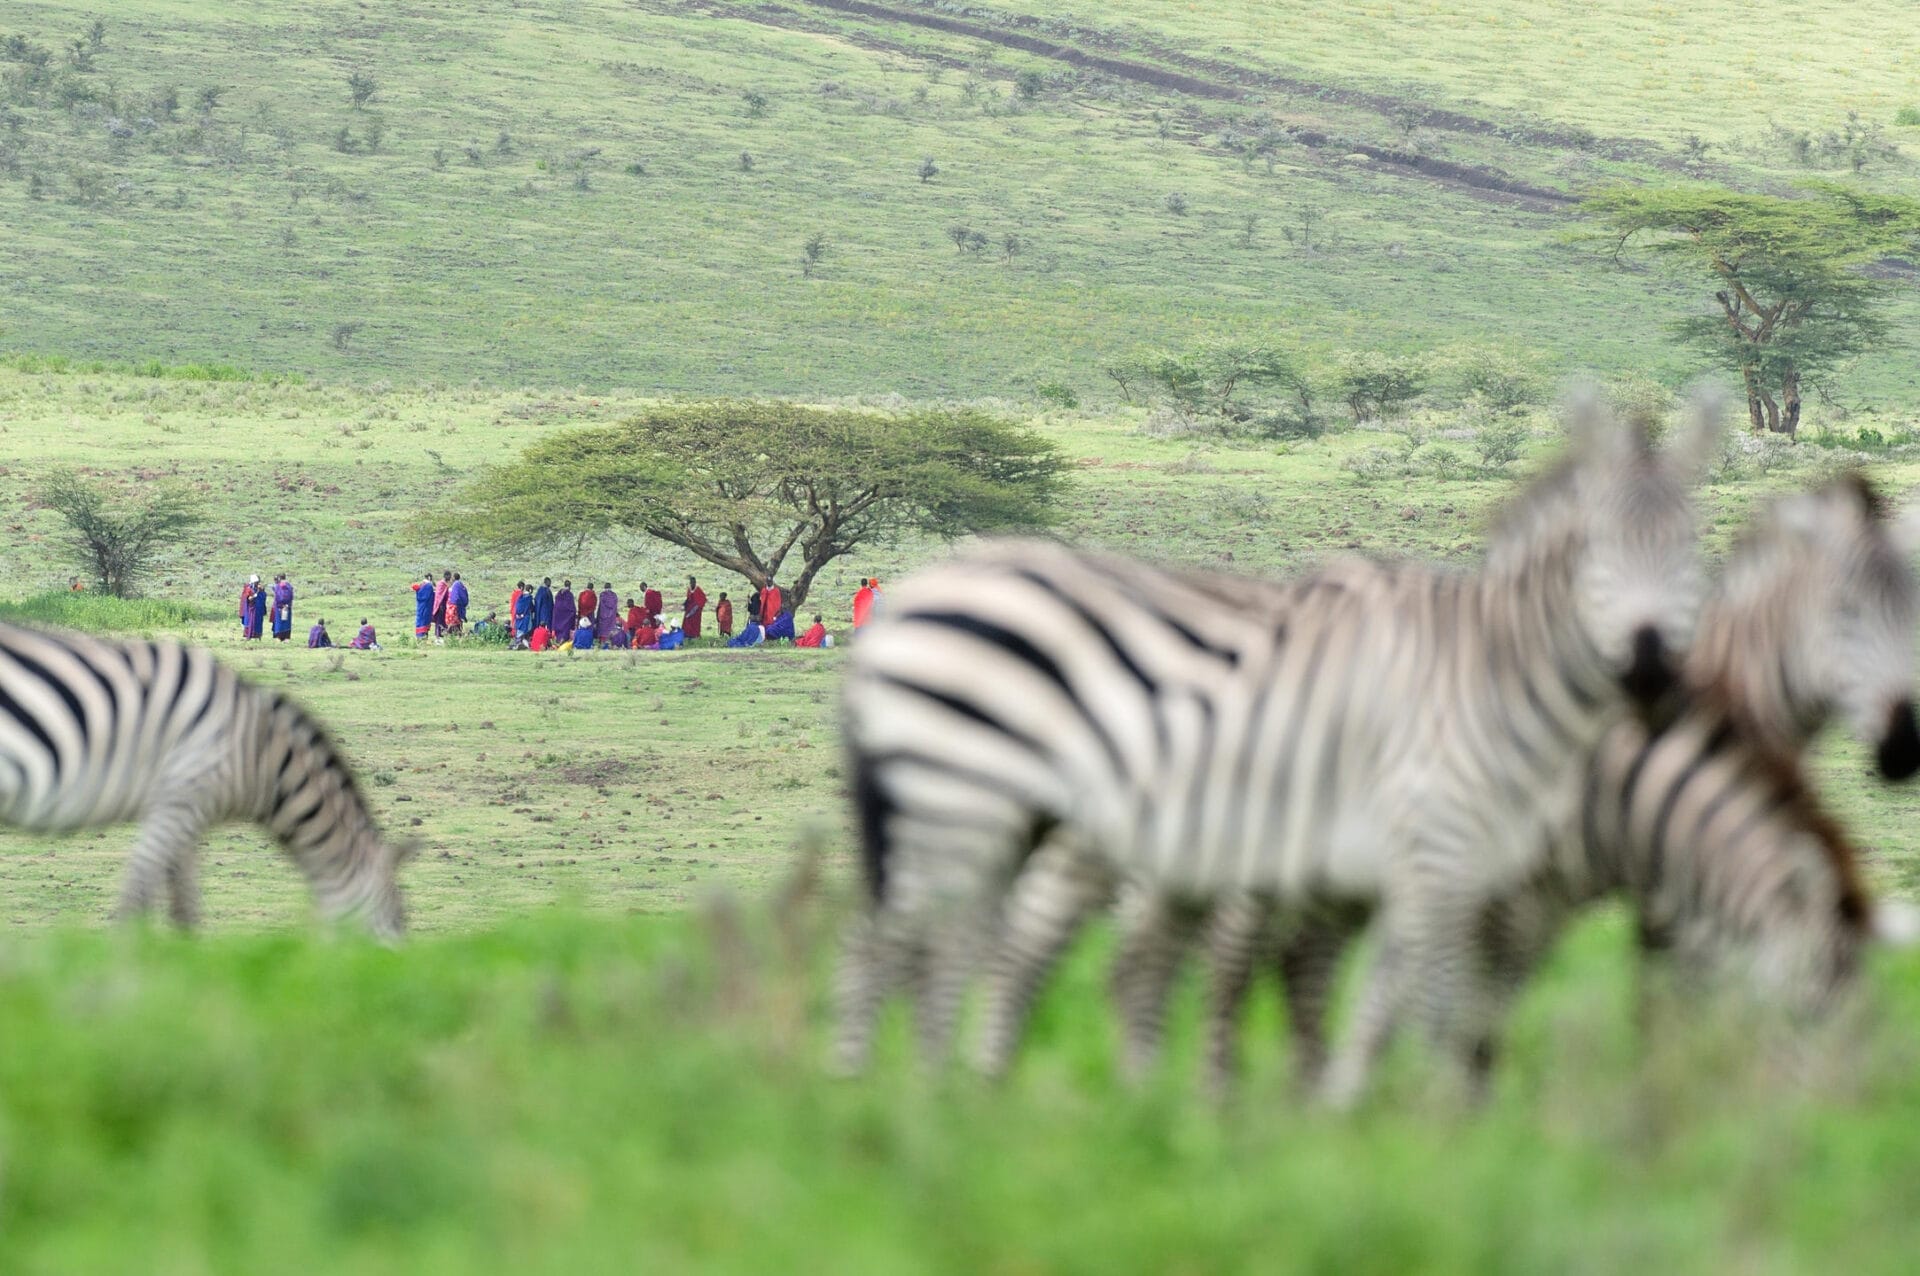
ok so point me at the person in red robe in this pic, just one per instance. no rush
(648, 635)
(816, 636)
(769, 603)
(654, 602)
(696, 602)
(723, 615)
(588, 601)
(441, 588)
(636, 616)
(542, 636)
(862, 603)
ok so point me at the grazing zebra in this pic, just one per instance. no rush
(94, 732)
(1206, 734)
(1814, 617)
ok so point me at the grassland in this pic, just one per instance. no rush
(556, 196)
(600, 1052)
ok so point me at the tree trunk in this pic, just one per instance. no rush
(1756, 415)
(1790, 401)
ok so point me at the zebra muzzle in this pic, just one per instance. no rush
(1650, 675)
(1899, 751)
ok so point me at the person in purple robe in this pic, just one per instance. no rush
(564, 611)
(253, 608)
(606, 616)
(457, 599)
(282, 608)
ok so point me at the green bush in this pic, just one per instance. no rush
(66, 609)
(1907, 116)
(1500, 443)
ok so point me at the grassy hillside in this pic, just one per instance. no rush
(557, 195)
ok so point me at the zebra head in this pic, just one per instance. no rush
(1637, 578)
(1856, 604)
(368, 887)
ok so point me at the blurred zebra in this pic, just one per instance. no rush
(1814, 617)
(1206, 734)
(96, 732)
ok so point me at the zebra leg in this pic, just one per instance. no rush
(166, 835)
(1056, 891)
(1375, 1020)
(183, 888)
(1234, 933)
(1309, 961)
(1155, 933)
(941, 970)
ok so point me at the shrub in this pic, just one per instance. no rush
(928, 170)
(746, 162)
(756, 103)
(360, 89)
(1378, 385)
(1057, 393)
(1030, 83)
(810, 254)
(1500, 443)
(114, 536)
(1907, 117)
(1500, 379)
(342, 335)
(1175, 203)
(1370, 465)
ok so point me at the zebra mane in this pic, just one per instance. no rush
(323, 743)
(1785, 778)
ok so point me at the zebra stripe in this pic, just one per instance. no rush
(1814, 618)
(1292, 739)
(96, 732)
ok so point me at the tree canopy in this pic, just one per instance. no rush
(753, 485)
(1792, 293)
(114, 538)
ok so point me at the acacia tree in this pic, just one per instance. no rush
(752, 485)
(113, 537)
(1791, 292)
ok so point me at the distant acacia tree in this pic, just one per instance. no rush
(754, 486)
(1791, 293)
(114, 537)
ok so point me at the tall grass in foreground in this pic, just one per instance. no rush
(66, 609)
(578, 1095)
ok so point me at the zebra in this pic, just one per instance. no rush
(96, 732)
(1207, 733)
(1814, 618)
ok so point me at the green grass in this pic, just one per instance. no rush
(248, 238)
(563, 1094)
(84, 610)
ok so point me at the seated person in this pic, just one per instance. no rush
(318, 636)
(782, 626)
(752, 636)
(647, 635)
(365, 640)
(619, 640)
(583, 634)
(484, 625)
(672, 639)
(542, 638)
(816, 636)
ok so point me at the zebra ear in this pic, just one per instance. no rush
(1597, 435)
(403, 850)
(1697, 445)
(1896, 923)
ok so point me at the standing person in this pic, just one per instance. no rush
(318, 636)
(816, 635)
(252, 607)
(282, 608)
(770, 605)
(440, 588)
(564, 610)
(423, 607)
(543, 603)
(523, 613)
(654, 602)
(723, 615)
(696, 602)
(636, 617)
(606, 616)
(457, 600)
(585, 602)
(754, 600)
(863, 604)
(513, 599)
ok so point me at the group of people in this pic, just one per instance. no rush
(543, 618)
(266, 606)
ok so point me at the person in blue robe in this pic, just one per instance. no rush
(543, 603)
(751, 636)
